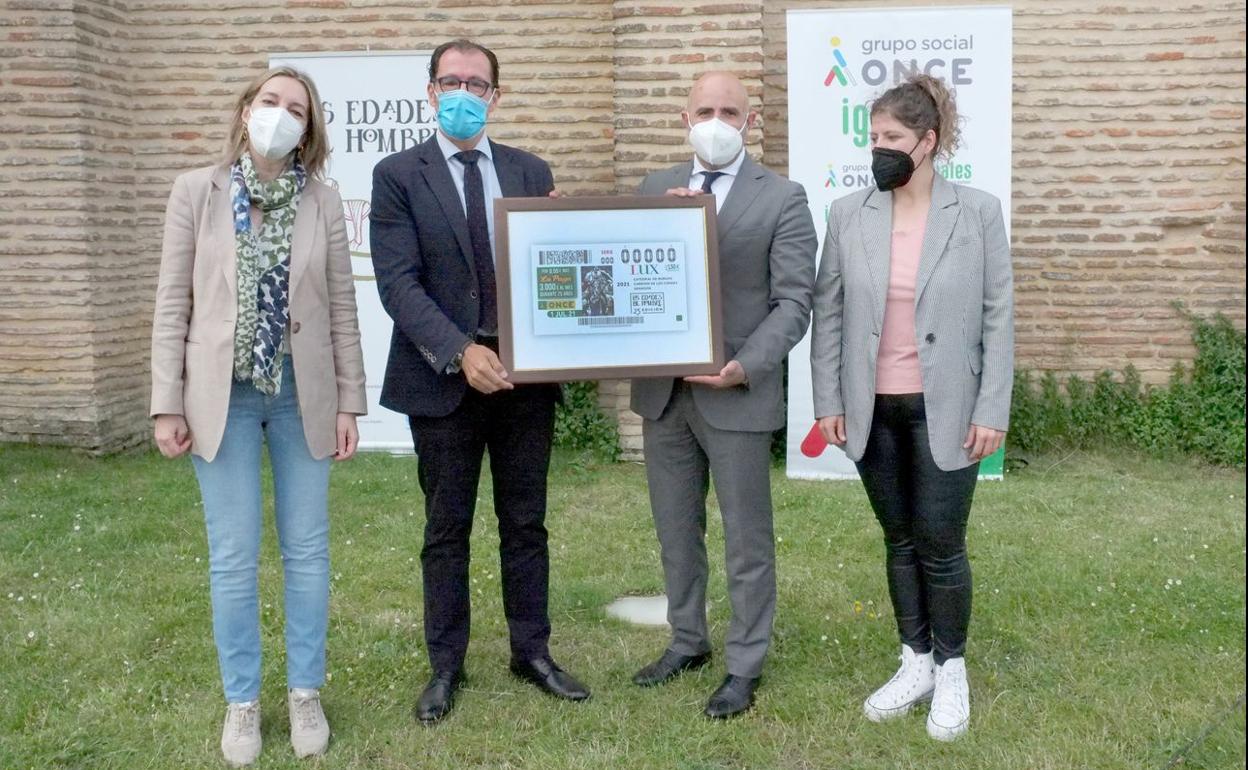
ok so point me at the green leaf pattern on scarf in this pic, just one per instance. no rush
(263, 270)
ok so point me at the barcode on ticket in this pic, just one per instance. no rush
(563, 257)
(611, 320)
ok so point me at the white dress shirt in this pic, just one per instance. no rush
(489, 178)
(721, 186)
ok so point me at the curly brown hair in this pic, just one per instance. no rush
(924, 103)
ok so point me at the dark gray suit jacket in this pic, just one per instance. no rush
(426, 274)
(964, 316)
(767, 245)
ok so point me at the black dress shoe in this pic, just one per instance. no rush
(669, 665)
(733, 697)
(439, 695)
(547, 675)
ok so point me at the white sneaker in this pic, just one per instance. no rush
(309, 731)
(240, 737)
(951, 703)
(912, 684)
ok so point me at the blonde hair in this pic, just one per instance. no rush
(313, 150)
(924, 103)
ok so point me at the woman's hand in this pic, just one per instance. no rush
(981, 441)
(173, 436)
(833, 429)
(348, 437)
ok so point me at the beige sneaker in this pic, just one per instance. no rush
(240, 737)
(309, 731)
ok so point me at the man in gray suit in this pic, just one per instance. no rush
(720, 426)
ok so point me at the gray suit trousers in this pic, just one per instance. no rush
(683, 453)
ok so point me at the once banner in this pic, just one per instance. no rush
(838, 61)
(375, 104)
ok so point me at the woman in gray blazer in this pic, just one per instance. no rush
(912, 367)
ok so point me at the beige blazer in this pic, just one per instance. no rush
(193, 328)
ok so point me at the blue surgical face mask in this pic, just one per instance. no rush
(461, 114)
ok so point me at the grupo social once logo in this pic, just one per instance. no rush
(840, 68)
(848, 176)
(831, 180)
(947, 56)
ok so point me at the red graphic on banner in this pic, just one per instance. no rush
(814, 443)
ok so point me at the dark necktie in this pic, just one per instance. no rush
(708, 179)
(479, 232)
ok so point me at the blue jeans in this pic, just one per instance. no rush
(230, 485)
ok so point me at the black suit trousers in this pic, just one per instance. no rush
(516, 428)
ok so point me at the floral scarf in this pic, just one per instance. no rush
(263, 270)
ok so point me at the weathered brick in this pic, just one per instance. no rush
(1128, 159)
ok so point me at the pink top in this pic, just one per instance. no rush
(897, 366)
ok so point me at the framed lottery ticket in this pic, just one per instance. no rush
(607, 287)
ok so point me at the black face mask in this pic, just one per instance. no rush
(892, 168)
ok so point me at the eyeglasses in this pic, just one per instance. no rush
(475, 86)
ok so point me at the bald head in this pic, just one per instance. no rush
(718, 89)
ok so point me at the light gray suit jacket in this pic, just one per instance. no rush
(964, 316)
(767, 245)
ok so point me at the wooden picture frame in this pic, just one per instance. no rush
(593, 288)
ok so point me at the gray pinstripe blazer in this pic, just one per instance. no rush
(964, 316)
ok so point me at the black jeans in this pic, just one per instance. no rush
(516, 427)
(923, 511)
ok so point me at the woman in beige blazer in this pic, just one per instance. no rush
(255, 341)
(912, 365)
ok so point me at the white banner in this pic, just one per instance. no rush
(838, 61)
(375, 104)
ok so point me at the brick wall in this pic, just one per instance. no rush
(105, 102)
(72, 303)
(1128, 174)
(1128, 159)
(659, 50)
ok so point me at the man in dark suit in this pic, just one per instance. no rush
(432, 234)
(720, 426)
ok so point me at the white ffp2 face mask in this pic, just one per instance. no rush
(716, 142)
(273, 132)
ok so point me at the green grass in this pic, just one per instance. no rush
(1108, 626)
